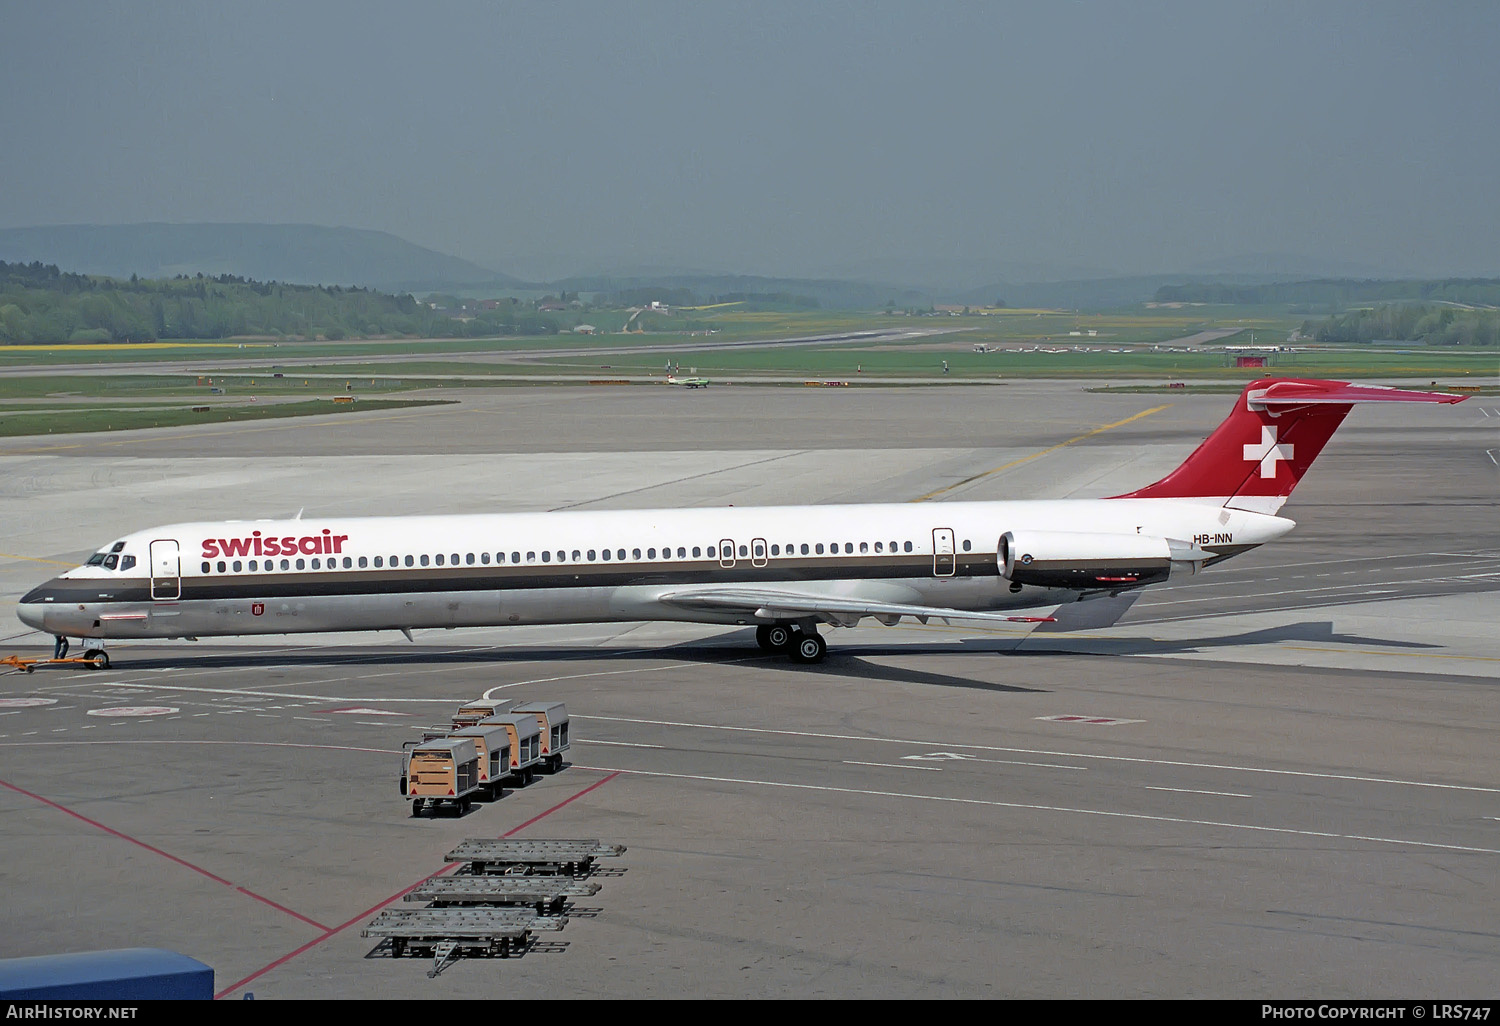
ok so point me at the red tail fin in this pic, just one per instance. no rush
(1278, 426)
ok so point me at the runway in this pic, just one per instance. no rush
(1278, 778)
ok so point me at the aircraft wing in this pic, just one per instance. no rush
(839, 610)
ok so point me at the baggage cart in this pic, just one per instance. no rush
(525, 744)
(445, 771)
(492, 742)
(471, 713)
(552, 718)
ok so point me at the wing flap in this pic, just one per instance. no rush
(841, 610)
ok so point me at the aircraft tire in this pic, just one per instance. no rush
(97, 659)
(773, 637)
(808, 648)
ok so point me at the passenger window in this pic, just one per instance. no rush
(606, 555)
(301, 564)
(635, 553)
(864, 547)
(252, 564)
(711, 552)
(286, 564)
(681, 552)
(593, 555)
(469, 558)
(220, 567)
(349, 562)
(620, 553)
(453, 560)
(546, 556)
(744, 551)
(238, 566)
(804, 548)
(206, 567)
(515, 557)
(316, 564)
(380, 561)
(439, 559)
(879, 547)
(484, 557)
(908, 547)
(697, 551)
(819, 548)
(967, 545)
(363, 563)
(775, 550)
(423, 559)
(650, 553)
(562, 557)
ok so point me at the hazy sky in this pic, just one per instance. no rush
(802, 138)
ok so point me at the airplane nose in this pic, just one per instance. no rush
(33, 605)
(30, 614)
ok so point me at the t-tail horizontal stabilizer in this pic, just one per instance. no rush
(1278, 426)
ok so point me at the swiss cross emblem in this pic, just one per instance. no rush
(256, 608)
(1267, 451)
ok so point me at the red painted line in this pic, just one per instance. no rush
(560, 804)
(283, 908)
(154, 850)
(451, 867)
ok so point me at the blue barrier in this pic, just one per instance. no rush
(123, 974)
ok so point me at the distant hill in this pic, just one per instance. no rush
(303, 253)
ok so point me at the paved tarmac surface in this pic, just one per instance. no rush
(1277, 779)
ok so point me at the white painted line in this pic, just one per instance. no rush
(256, 744)
(621, 744)
(894, 765)
(1181, 821)
(232, 694)
(1041, 751)
(1189, 790)
(310, 719)
(610, 673)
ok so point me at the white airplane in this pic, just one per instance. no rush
(785, 570)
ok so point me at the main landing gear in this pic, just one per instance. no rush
(804, 646)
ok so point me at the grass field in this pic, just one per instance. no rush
(1125, 346)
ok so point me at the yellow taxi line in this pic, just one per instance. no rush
(1035, 455)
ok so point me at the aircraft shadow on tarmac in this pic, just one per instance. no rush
(850, 660)
(1311, 630)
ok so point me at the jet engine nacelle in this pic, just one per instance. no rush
(1089, 561)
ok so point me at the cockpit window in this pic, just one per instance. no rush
(126, 562)
(96, 559)
(110, 561)
(117, 546)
